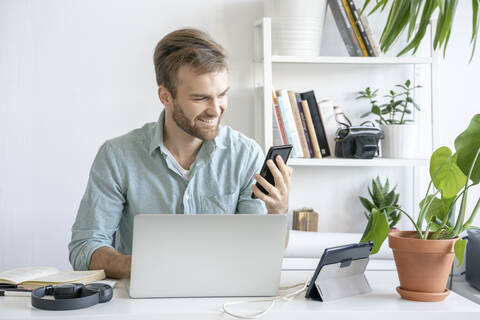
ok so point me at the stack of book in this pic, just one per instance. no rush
(354, 29)
(309, 126)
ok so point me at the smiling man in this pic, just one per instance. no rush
(185, 163)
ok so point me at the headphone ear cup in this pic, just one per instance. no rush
(67, 291)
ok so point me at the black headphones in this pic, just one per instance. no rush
(70, 296)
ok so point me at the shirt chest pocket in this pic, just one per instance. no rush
(226, 203)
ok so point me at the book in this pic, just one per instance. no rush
(292, 130)
(370, 35)
(356, 16)
(311, 129)
(317, 122)
(354, 26)
(330, 125)
(344, 28)
(277, 123)
(286, 127)
(304, 125)
(41, 276)
(298, 124)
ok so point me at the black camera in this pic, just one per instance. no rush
(360, 142)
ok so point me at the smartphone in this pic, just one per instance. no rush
(284, 152)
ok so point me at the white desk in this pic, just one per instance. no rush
(382, 303)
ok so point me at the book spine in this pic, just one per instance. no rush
(311, 129)
(344, 28)
(277, 135)
(291, 123)
(283, 115)
(317, 122)
(304, 125)
(298, 124)
(370, 35)
(279, 118)
(327, 114)
(356, 16)
(351, 18)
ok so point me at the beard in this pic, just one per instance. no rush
(202, 133)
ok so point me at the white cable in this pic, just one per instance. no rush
(257, 315)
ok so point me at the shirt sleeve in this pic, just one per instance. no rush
(100, 210)
(253, 165)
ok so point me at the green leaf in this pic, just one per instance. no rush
(438, 208)
(466, 145)
(459, 249)
(367, 203)
(445, 174)
(376, 230)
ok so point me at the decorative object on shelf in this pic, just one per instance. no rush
(305, 220)
(360, 142)
(452, 176)
(399, 130)
(409, 14)
(381, 197)
(296, 26)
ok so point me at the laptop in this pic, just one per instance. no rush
(207, 255)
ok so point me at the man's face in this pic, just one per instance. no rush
(200, 102)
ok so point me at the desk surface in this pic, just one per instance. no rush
(382, 303)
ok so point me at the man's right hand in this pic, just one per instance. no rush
(115, 264)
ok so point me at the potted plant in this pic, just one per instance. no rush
(381, 196)
(410, 14)
(424, 256)
(393, 119)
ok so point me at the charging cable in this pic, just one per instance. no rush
(286, 297)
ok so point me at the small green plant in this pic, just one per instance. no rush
(381, 197)
(452, 176)
(397, 107)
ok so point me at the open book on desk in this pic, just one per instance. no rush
(33, 277)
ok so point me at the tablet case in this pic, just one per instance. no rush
(341, 273)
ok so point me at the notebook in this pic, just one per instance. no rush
(42, 276)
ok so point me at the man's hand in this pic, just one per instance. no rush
(115, 264)
(277, 198)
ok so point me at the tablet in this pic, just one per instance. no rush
(341, 272)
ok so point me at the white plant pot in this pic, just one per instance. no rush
(297, 26)
(398, 141)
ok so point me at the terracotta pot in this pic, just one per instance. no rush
(423, 266)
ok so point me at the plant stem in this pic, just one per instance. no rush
(419, 232)
(404, 107)
(461, 213)
(470, 220)
(420, 216)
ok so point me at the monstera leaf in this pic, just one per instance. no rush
(438, 208)
(467, 145)
(446, 175)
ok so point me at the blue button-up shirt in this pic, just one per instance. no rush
(132, 174)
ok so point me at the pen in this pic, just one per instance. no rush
(16, 293)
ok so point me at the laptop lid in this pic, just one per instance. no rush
(207, 255)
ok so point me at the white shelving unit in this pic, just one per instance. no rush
(264, 61)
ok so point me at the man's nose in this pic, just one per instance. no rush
(215, 108)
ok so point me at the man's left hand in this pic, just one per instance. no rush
(277, 199)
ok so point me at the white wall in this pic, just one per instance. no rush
(75, 73)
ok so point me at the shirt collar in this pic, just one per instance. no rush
(157, 138)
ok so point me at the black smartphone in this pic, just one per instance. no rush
(284, 152)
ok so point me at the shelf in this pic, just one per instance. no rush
(375, 162)
(351, 60)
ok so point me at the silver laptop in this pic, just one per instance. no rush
(207, 255)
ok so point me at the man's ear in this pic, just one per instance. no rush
(165, 96)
